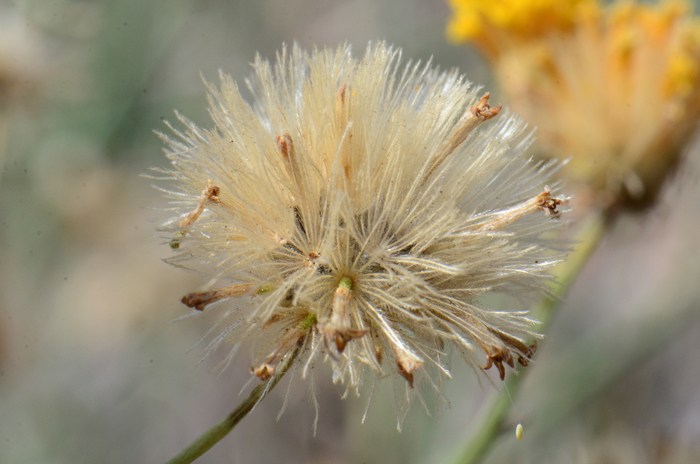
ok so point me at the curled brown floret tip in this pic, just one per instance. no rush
(406, 368)
(497, 355)
(525, 360)
(547, 203)
(482, 109)
(341, 337)
(209, 195)
(544, 201)
(263, 371)
(200, 300)
(496, 358)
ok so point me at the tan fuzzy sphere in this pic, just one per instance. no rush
(357, 210)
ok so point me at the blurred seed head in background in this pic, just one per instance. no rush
(612, 87)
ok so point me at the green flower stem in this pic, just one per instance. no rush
(212, 436)
(491, 425)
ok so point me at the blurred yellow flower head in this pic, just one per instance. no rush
(491, 23)
(615, 88)
(357, 210)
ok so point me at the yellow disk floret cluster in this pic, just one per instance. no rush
(476, 20)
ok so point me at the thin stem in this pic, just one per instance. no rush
(491, 425)
(212, 436)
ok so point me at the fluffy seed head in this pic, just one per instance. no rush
(359, 209)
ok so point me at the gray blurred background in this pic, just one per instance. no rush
(91, 371)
